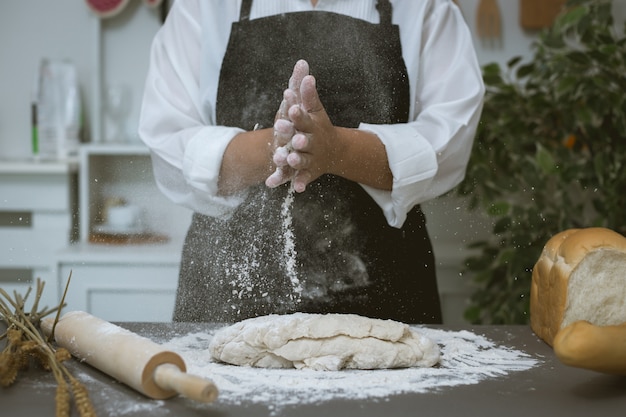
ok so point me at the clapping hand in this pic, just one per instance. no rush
(303, 134)
(284, 129)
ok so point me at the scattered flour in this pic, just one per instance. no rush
(289, 249)
(467, 359)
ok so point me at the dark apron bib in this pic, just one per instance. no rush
(348, 259)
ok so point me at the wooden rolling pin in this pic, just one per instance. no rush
(132, 359)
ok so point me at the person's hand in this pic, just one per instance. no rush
(314, 144)
(284, 129)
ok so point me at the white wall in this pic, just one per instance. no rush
(30, 29)
(126, 42)
(59, 29)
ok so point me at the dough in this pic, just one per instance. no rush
(323, 342)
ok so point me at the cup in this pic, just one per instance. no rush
(125, 216)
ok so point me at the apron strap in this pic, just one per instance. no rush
(244, 13)
(384, 9)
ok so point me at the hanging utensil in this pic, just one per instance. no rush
(539, 14)
(489, 23)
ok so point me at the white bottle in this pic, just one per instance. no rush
(72, 105)
(58, 110)
(48, 112)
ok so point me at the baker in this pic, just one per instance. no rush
(384, 121)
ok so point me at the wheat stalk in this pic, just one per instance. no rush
(24, 342)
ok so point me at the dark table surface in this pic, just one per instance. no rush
(547, 389)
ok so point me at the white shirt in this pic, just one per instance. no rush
(427, 156)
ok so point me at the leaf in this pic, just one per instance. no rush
(506, 255)
(599, 167)
(492, 69)
(584, 116)
(525, 70)
(544, 160)
(578, 57)
(502, 225)
(572, 17)
(472, 315)
(604, 14)
(513, 61)
(499, 208)
(477, 244)
(492, 74)
(567, 84)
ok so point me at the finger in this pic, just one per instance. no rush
(294, 160)
(275, 179)
(280, 156)
(290, 98)
(300, 70)
(298, 161)
(308, 93)
(283, 132)
(300, 142)
(300, 115)
(284, 127)
(278, 177)
(282, 110)
(300, 118)
(301, 180)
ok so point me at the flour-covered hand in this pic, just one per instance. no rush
(314, 144)
(284, 129)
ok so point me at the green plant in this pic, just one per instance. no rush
(550, 154)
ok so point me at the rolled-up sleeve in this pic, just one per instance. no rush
(428, 156)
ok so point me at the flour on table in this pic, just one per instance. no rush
(323, 342)
(466, 359)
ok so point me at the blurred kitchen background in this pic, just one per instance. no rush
(96, 213)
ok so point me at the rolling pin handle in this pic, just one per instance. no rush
(169, 377)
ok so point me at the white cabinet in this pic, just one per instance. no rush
(121, 282)
(37, 218)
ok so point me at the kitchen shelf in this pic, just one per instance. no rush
(36, 167)
(158, 254)
(124, 172)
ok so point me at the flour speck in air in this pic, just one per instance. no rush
(467, 358)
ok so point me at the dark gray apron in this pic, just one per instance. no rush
(348, 259)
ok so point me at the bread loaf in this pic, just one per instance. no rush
(579, 276)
